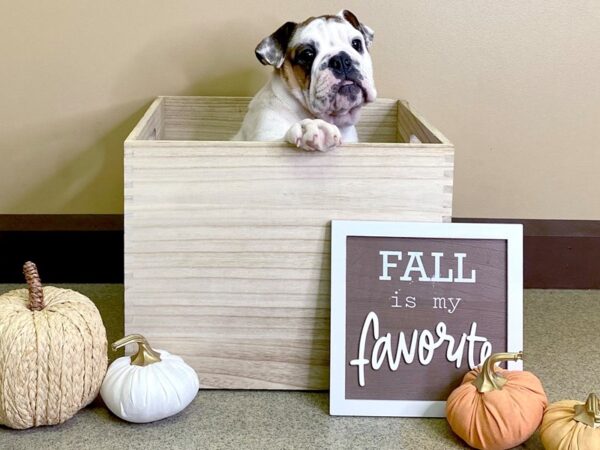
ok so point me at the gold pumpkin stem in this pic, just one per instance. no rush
(589, 413)
(36, 292)
(145, 355)
(488, 379)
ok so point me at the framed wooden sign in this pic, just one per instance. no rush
(414, 306)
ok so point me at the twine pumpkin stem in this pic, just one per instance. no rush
(145, 355)
(36, 292)
(488, 379)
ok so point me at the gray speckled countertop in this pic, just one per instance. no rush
(561, 329)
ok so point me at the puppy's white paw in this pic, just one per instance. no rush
(314, 134)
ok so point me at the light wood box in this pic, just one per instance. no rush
(227, 243)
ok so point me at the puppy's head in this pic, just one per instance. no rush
(325, 63)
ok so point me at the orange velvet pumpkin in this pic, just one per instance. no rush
(496, 409)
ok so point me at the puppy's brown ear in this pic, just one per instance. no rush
(271, 50)
(365, 30)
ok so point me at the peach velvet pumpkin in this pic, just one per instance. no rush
(572, 425)
(495, 408)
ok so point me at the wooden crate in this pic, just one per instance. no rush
(227, 243)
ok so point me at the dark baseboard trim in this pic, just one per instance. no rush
(61, 222)
(67, 248)
(88, 248)
(557, 254)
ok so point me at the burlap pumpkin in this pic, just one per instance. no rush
(52, 353)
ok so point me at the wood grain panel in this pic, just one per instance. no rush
(410, 122)
(220, 118)
(227, 244)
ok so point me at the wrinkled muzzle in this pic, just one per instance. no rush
(339, 89)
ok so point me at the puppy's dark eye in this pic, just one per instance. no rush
(357, 45)
(305, 56)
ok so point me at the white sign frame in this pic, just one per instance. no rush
(340, 231)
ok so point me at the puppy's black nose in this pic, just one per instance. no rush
(340, 64)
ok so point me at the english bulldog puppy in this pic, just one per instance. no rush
(322, 77)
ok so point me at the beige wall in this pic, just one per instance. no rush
(514, 84)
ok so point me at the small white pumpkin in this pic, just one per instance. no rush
(149, 385)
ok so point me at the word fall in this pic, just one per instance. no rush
(415, 264)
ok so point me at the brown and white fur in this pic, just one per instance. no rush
(323, 76)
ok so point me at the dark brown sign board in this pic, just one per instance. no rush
(414, 306)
